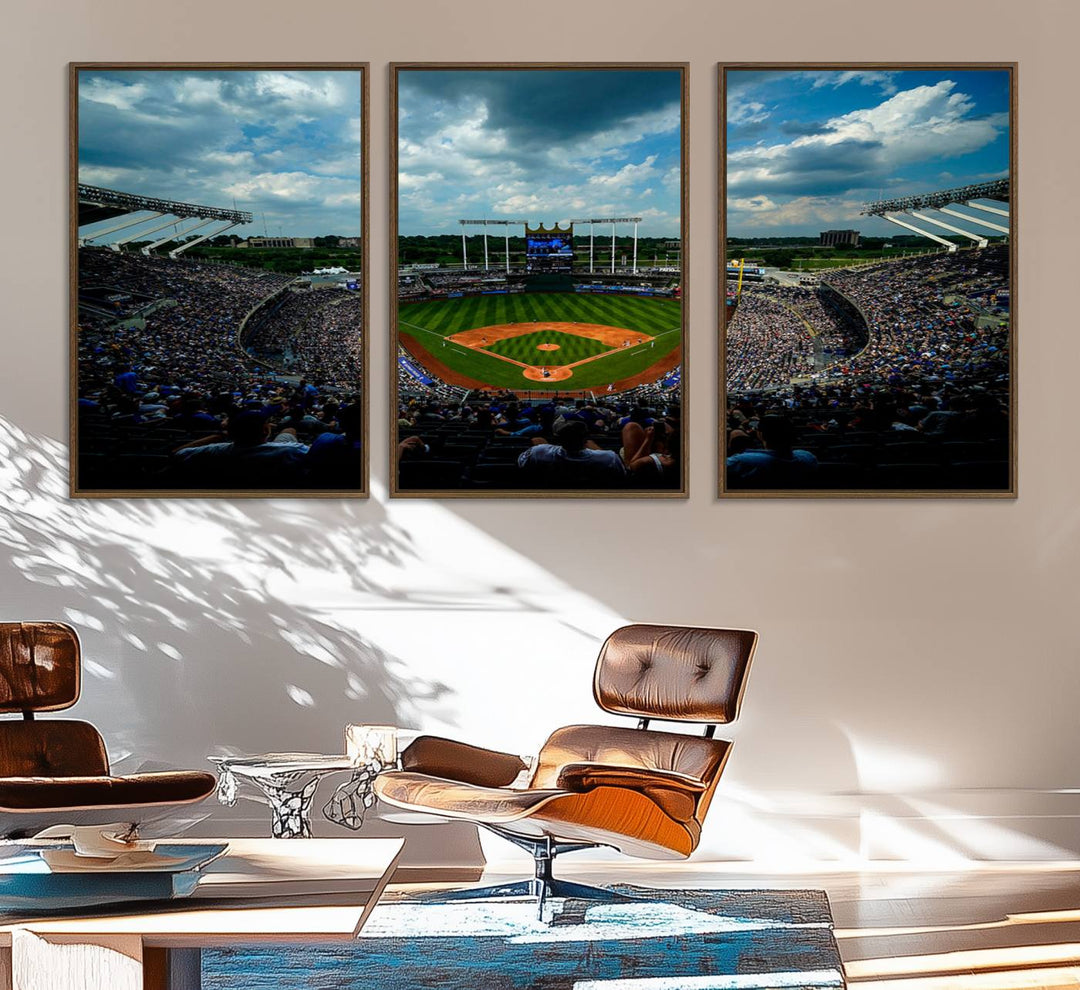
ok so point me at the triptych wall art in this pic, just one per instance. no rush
(219, 280)
(538, 259)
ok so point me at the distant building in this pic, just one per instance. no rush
(280, 242)
(839, 238)
(349, 242)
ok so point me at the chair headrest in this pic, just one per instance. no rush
(39, 666)
(677, 673)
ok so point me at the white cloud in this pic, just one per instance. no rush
(748, 112)
(753, 204)
(297, 187)
(453, 161)
(800, 211)
(626, 176)
(121, 96)
(915, 125)
(834, 80)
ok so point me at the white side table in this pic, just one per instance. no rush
(288, 780)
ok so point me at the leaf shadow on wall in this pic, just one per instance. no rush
(196, 636)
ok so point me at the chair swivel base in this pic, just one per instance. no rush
(542, 885)
(535, 889)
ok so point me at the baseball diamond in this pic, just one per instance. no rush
(582, 341)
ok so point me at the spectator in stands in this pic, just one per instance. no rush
(777, 464)
(335, 460)
(651, 452)
(573, 461)
(245, 458)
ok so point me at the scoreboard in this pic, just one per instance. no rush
(549, 249)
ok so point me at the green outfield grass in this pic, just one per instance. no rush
(429, 323)
(524, 348)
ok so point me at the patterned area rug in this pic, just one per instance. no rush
(660, 940)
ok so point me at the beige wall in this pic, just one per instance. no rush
(919, 659)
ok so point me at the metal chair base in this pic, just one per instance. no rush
(542, 886)
(533, 890)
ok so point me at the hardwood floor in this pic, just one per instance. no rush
(1001, 926)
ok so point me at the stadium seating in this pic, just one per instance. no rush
(162, 364)
(914, 400)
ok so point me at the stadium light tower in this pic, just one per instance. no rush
(613, 221)
(505, 224)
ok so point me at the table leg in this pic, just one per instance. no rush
(172, 969)
(351, 800)
(290, 810)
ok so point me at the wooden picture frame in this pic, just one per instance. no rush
(79, 485)
(1008, 487)
(673, 487)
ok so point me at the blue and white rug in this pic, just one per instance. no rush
(662, 940)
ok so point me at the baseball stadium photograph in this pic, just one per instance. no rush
(218, 280)
(538, 280)
(867, 329)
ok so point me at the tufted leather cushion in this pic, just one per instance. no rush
(51, 748)
(678, 673)
(619, 746)
(39, 666)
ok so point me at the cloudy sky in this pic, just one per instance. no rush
(807, 149)
(286, 144)
(538, 145)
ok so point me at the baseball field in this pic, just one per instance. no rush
(570, 341)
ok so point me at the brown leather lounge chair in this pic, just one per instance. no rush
(643, 792)
(56, 771)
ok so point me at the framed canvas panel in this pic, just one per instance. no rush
(868, 323)
(218, 279)
(538, 279)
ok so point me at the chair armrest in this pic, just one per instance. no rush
(675, 793)
(453, 760)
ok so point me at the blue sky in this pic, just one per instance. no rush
(542, 145)
(283, 143)
(806, 149)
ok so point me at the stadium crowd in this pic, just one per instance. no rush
(924, 404)
(315, 333)
(920, 317)
(171, 400)
(503, 441)
(768, 342)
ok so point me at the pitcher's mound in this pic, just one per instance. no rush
(553, 374)
(547, 347)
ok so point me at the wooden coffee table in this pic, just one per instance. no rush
(261, 890)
